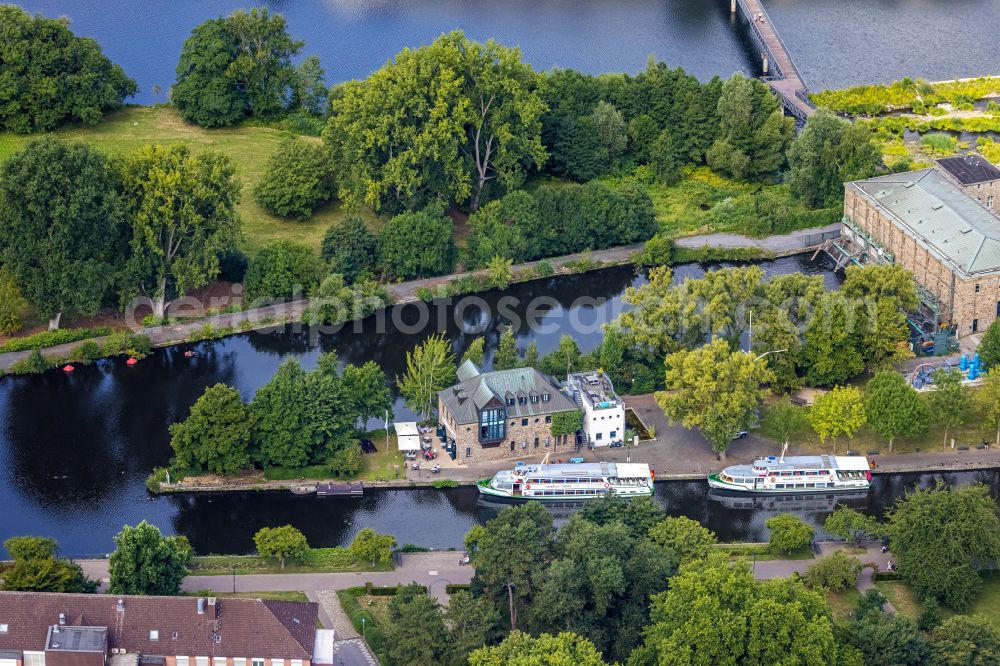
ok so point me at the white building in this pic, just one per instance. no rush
(603, 410)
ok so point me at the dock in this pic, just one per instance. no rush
(346, 489)
(779, 69)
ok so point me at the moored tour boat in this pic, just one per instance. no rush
(796, 474)
(575, 481)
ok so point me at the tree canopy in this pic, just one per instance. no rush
(297, 178)
(49, 76)
(282, 270)
(63, 232)
(829, 152)
(215, 437)
(146, 562)
(715, 389)
(428, 229)
(350, 248)
(941, 558)
(546, 650)
(182, 209)
(430, 368)
(280, 543)
(235, 67)
(442, 121)
(893, 408)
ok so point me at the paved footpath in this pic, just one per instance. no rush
(787, 244)
(434, 570)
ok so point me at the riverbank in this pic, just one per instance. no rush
(711, 247)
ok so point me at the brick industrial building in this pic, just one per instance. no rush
(939, 223)
(503, 414)
(43, 629)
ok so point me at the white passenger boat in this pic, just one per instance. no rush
(575, 481)
(795, 474)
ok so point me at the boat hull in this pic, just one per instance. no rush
(486, 490)
(718, 484)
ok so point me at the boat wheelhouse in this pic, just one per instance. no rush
(795, 474)
(575, 481)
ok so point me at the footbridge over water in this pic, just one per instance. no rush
(779, 70)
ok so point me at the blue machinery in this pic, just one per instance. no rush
(923, 375)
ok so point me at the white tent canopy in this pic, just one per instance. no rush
(407, 435)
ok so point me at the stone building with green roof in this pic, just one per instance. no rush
(503, 414)
(935, 226)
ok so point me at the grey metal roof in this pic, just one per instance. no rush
(970, 169)
(465, 399)
(941, 217)
(467, 371)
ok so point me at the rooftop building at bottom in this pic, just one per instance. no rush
(47, 629)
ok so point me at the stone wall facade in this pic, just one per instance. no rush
(524, 437)
(970, 304)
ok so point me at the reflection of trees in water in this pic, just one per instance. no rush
(291, 339)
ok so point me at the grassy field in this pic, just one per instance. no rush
(987, 603)
(386, 463)
(317, 560)
(970, 433)
(249, 148)
(842, 603)
(760, 552)
(900, 596)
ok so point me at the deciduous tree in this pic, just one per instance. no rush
(546, 650)
(12, 303)
(831, 342)
(853, 525)
(885, 638)
(685, 537)
(893, 408)
(430, 230)
(50, 76)
(414, 616)
(146, 562)
(31, 548)
(788, 533)
(182, 209)
(715, 389)
(836, 571)
(430, 368)
(949, 400)
(964, 641)
(941, 559)
(783, 420)
(62, 226)
(840, 411)
(367, 392)
(989, 347)
(350, 248)
(827, 153)
(215, 437)
(988, 400)
(296, 179)
(280, 543)
(370, 546)
(280, 271)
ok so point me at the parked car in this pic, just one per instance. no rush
(742, 434)
(368, 446)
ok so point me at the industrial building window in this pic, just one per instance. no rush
(548, 419)
(977, 287)
(524, 422)
(989, 201)
(975, 325)
(468, 452)
(491, 424)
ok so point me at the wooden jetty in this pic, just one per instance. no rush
(779, 70)
(345, 489)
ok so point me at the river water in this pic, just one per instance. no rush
(75, 449)
(834, 44)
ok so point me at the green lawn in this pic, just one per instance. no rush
(249, 148)
(842, 603)
(970, 433)
(900, 596)
(378, 466)
(317, 560)
(986, 604)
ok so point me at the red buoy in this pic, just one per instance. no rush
(131, 361)
(68, 368)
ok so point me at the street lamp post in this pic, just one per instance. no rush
(362, 627)
(233, 567)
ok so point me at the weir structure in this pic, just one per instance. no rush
(779, 70)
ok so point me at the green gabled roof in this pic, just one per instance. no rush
(941, 217)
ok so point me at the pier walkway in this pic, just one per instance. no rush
(779, 69)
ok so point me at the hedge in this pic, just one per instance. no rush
(453, 588)
(51, 338)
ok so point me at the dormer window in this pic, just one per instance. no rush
(545, 397)
(534, 399)
(510, 402)
(521, 400)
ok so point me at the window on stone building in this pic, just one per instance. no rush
(536, 442)
(524, 422)
(977, 287)
(975, 325)
(548, 419)
(468, 452)
(989, 201)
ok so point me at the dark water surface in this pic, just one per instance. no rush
(355, 37)
(834, 43)
(75, 450)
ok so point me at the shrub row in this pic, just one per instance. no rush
(121, 342)
(53, 338)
